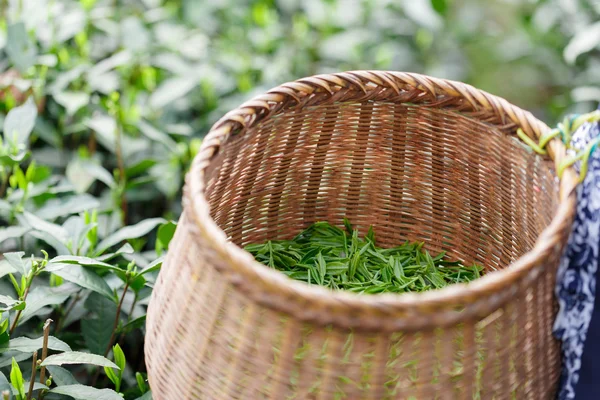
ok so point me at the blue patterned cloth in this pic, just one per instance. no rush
(576, 280)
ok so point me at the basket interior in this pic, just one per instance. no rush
(412, 172)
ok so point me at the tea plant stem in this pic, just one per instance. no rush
(16, 320)
(114, 330)
(45, 350)
(135, 299)
(60, 323)
(33, 373)
(121, 166)
(5, 176)
(117, 318)
(92, 143)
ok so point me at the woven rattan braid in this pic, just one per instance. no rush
(416, 157)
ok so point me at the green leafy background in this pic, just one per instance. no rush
(103, 105)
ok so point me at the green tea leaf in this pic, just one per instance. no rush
(61, 376)
(171, 90)
(146, 396)
(27, 345)
(41, 296)
(4, 384)
(97, 329)
(153, 266)
(82, 173)
(67, 206)
(13, 232)
(10, 303)
(16, 379)
(119, 356)
(585, 40)
(133, 325)
(81, 392)
(326, 255)
(164, 235)
(72, 101)
(141, 382)
(83, 277)
(16, 261)
(7, 356)
(75, 357)
(83, 261)
(129, 232)
(20, 48)
(19, 123)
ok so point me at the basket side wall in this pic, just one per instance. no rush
(414, 173)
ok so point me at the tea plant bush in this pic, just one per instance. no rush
(103, 104)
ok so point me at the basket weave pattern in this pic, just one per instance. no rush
(417, 158)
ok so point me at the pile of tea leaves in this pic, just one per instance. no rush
(326, 255)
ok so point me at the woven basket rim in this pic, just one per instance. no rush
(388, 311)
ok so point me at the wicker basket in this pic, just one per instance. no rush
(419, 159)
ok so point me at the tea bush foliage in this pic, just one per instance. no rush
(103, 105)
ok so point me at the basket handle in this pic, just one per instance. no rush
(565, 130)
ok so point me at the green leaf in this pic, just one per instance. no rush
(137, 283)
(4, 383)
(172, 89)
(153, 266)
(20, 177)
(134, 35)
(146, 396)
(61, 376)
(42, 296)
(63, 79)
(133, 325)
(97, 330)
(141, 382)
(441, 6)
(129, 232)
(36, 386)
(16, 261)
(164, 235)
(119, 356)
(27, 345)
(16, 379)
(83, 261)
(10, 303)
(83, 277)
(4, 335)
(81, 392)
(20, 48)
(112, 376)
(116, 60)
(55, 235)
(61, 207)
(13, 232)
(160, 137)
(422, 12)
(585, 40)
(139, 168)
(82, 173)
(125, 249)
(72, 101)
(76, 357)
(6, 357)
(167, 177)
(20, 122)
(106, 128)
(51, 240)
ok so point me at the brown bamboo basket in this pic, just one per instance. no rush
(416, 157)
